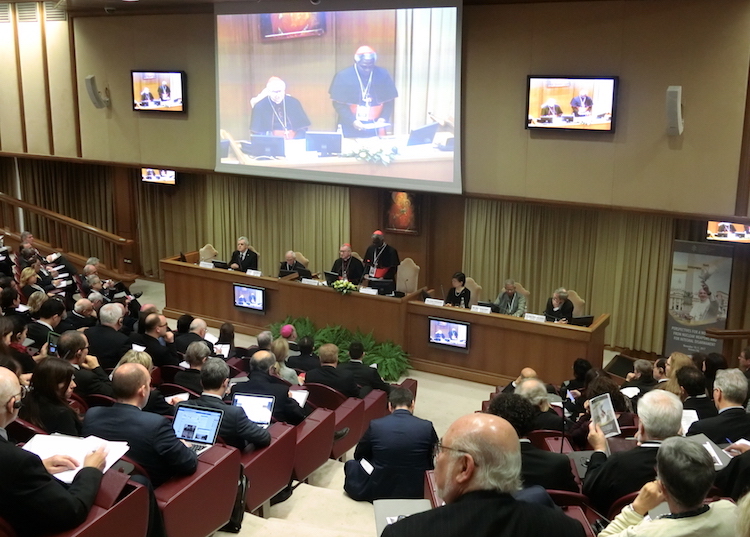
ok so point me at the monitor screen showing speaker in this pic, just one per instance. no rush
(159, 91)
(349, 95)
(155, 175)
(728, 231)
(250, 297)
(449, 334)
(571, 103)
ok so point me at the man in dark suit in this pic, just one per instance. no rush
(106, 342)
(367, 378)
(399, 446)
(559, 308)
(155, 327)
(290, 263)
(50, 313)
(198, 329)
(236, 430)
(81, 316)
(642, 377)
(538, 467)
(152, 441)
(347, 266)
(535, 391)
(330, 375)
(526, 373)
(610, 478)
(732, 423)
(692, 384)
(262, 382)
(477, 467)
(243, 258)
(35, 503)
(305, 360)
(90, 378)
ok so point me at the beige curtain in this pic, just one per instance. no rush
(618, 262)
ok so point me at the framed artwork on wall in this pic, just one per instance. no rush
(402, 212)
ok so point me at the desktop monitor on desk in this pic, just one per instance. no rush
(264, 146)
(324, 143)
(384, 287)
(423, 135)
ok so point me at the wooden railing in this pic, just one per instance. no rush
(115, 252)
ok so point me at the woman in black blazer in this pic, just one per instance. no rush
(47, 406)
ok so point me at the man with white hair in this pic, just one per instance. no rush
(477, 468)
(510, 301)
(198, 330)
(243, 258)
(536, 392)
(732, 423)
(559, 307)
(347, 266)
(83, 315)
(277, 114)
(290, 263)
(106, 342)
(610, 478)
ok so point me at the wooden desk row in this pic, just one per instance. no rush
(500, 346)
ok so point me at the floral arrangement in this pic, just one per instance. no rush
(374, 155)
(344, 287)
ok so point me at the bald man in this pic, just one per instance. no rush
(83, 315)
(526, 373)
(33, 502)
(477, 468)
(198, 330)
(277, 114)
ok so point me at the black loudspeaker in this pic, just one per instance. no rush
(620, 366)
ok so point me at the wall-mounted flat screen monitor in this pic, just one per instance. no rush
(449, 334)
(728, 231)
(157, 175)
(159, 91)
(346, 87)
(571, 103)
(250, 297)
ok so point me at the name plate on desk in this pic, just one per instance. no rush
(535, 317)
(433, 301)
(310, 281)
(251, 272)
(206, 264)
(369, 290)
(481, 309)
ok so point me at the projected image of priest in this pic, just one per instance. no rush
(278, 114)
(363, 96)
(581, 104)
(551, 108)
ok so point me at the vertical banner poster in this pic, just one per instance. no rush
(698, 296)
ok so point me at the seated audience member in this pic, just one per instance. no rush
(698, 359)
(693, 393)
(34, 502)
(366, 377)
(28, 282)
(183, 325)
(732, 422)
(526, 373)
(9, 301)
(81, 316)
(226, 337)
(197, 332)
(46, 405)
(106, 342)
(140, 325)
(610, 478)
(156, 402)
(642, 376)
(236, 430)
(478, 467)
(600, 385)
(458, 295)
(289, 333)
(559, 307)
(17, 350)
(675, 362)
(329, 374)
(196, 356)
(263, 343)
(581, 366)
(685, 473)
(538, 467)
(399, 446)
(98, 301)
(155, 327)
(92, 269)
(51, 312)
(35, 302)
(714, 362)
(743, 361)
(306, 360)
(509, 301)
(152, 441)
(347, 266)
(280, 350)
(243, 258)
(262, 382)
(90, 378)
(660, 370)
(290, 263)
(546, 418)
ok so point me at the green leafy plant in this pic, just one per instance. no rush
(391, 359)
(303, 325)
(374, 155)
(339, 336)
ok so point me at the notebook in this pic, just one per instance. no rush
(300, 396)
(258, 408)
(197, 425)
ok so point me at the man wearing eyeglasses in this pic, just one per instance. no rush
(35, 503)
(477, 467)
(156, 327)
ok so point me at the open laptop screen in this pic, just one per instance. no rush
(258, 408)
(197, 424)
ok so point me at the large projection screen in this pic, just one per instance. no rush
(343, 95)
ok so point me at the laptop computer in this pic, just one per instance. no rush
(258, 408)
(197, 425)
(301, 273)
(423, 135)
(331, 278)
(586, 320)
(494, 307)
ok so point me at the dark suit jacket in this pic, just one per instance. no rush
(55, 416)
(305, 362)
(107, 344)
(732, 424)
(550, 420)
(249, 263)
(34, 502)
(565, 311)
(487, 514)
(152, 441)
(399, 446)
(339, 380)
(546, 469)
(704, 406)
(285, 408)
(354, 269)
(93, 381)
(236, 430)
(297, 266)
(190, 379)
(37, 332)
(160, 354)
(183, 341)
(367, 378)
(609, 479)
(75, 321)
